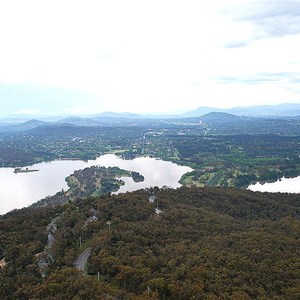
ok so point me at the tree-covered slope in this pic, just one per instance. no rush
(190, 243)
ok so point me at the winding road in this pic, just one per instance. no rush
(81, 260)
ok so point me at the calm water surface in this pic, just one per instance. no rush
(22, 189)
(284, 185)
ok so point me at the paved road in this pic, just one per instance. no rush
(51, 229)
(81, 260)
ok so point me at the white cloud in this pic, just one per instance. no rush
(27, 111)
(78, 110)
(147, 56)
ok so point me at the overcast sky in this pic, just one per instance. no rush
(162, 56)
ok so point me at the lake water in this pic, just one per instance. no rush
(284, 185)
(19, 190)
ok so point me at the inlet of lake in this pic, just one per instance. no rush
(19, 190)
(283, 185)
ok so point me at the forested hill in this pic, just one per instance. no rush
(190, 243)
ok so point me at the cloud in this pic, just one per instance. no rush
(260, 78)
(32, 99)
(235, 44)
(267, 9)
(267, 19)
(78, 110)
(144, 56)
(27, 111)
(278, 26)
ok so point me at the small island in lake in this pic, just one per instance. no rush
(20, 170)
(137, 177)
(90, 182)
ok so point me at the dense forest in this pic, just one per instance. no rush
(188, 243)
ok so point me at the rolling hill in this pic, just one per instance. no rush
(190, 243)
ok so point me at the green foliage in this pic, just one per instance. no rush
(207, 244)
(137, 177)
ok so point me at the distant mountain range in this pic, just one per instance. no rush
(111, 118)
(133, 116)
(281, 110)
(213, 122)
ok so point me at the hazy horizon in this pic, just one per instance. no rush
(26, 115)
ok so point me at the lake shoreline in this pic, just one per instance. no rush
(51, 178)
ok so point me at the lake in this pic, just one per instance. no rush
(19, 190)
(283, 185)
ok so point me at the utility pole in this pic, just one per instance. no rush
(80, 242)
(108, 223)
(98, 276)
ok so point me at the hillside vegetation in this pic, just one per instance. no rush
(190, 243)
(90, 182)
